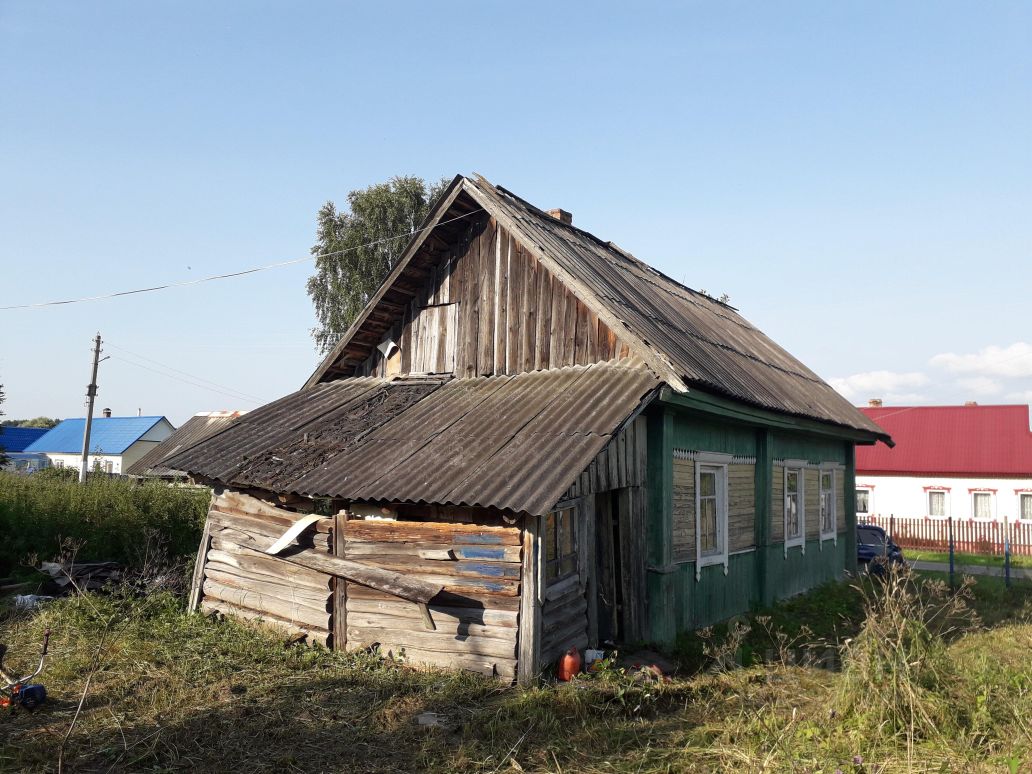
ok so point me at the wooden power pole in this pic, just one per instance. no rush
(91, 396)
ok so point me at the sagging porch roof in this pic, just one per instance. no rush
(510, 442)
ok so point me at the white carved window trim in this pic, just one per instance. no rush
(799, 468)
(832, 499)
(717, 463)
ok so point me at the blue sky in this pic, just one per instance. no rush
(856, 176)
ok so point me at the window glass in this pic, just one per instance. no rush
(793, 524)
(936, 503)
(1026, 506)
(870, 537)
(863, 500)
(827, 503)
(983, 505)
(711, 516)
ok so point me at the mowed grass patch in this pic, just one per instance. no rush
(172, 691)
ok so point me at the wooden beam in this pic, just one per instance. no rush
(340, 585)
(198, 572)
(528, 664)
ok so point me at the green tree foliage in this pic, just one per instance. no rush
(45, 422)
(344, 282)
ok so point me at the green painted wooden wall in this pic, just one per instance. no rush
(678, 601)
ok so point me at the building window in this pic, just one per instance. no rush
(795, 509)
(109, 467)
(1025, 512)
(829, 527)
(58, 463)
(982, 505)
(863, 501)
(560, 544)
(936, 502)
(710, 511)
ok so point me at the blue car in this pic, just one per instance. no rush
(875, 549)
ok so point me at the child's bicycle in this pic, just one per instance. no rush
(20, 692)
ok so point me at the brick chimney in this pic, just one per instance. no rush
(969, 403)
(875, 402)
(107, 413)
(562, 216)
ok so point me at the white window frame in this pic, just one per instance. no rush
(945, 502)
(1021, 498)
(870, 499)
(719, 463)
(798, 467)
(832, 493)
(992, 502)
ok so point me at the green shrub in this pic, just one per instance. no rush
(106, 518)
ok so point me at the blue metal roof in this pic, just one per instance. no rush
(15, 439)
(109, 435)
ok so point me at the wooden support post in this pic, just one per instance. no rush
(340, 585)
(850, 508)
(528, 664)
(589, 566)
(198, 572)
(764, 593)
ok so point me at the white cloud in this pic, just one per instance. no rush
(981, 385)
(890, 386)
(1012, 362)
(1024, 396)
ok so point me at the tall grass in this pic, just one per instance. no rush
(107, 518)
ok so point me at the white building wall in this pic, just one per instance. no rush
(908, 495)
(74, 460)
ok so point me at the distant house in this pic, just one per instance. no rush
(13, 441)
(194, 430)
(966, 462)
(115, 442)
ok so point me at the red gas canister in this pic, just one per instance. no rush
(569, 664)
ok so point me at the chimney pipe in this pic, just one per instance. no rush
(562, 216)
(875, 402)
(107, 413)
(139, 412)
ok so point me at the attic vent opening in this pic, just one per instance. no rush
(562, 216)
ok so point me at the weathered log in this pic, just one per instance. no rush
(282, 591)
(294, 612)
(485, 665)
(225, 608)
(247, 504)
(442, 552)
(430, 532)
(393, 583)
(224, 553)
(370, 622)
(463, 598)
(253, 526)
(444, 616)
(438, 641)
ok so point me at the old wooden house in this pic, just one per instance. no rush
(529, 440)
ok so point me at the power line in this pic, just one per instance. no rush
(230, 275)
(185, 373)
(185, 381)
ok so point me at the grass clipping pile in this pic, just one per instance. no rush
(920, 686)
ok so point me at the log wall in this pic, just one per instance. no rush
(489, 307)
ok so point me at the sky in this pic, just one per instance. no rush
(856, 176)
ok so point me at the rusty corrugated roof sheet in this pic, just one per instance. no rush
(704, 342)
(510, 442)
(195, 429)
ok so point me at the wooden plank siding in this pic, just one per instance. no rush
(489, 308)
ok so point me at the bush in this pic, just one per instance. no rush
(107, 518)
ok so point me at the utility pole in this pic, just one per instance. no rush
(91, 396)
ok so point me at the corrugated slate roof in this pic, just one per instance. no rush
(16, 439)
(510, 442)
(703, 341)
(109, 435)
(951, 440)
(195, 429)
(689, 339)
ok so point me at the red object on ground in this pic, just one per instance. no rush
(950, 440)
(569, 665)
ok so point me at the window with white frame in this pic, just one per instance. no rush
(795, 508)
(1025, 505)
(936, 502)
(829, 529)
(863, 501)
(710, 510)
(982, 505)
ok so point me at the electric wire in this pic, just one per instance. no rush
(233, 274)
(185, 373)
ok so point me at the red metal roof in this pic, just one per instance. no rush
(950, 440)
